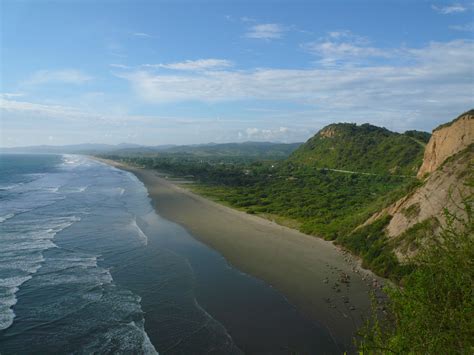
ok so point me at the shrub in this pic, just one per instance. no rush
(433, 312)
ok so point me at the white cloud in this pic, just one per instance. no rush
(120, 66)
(65, 76)
(274, 134)
(187, 65)
(200, 64)
(436, 77)
(247, 19)
(344, 47)
(11, 94)
(265, 31)
(142, 34)
(33, 110)
(468, 27)
(46, 110)
(450, 9)
(12, 106)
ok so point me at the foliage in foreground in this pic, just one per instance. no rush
(433, 312)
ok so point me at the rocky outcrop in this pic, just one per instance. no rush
(446, 141)
(328, 132)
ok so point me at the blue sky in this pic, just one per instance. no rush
(160, 72)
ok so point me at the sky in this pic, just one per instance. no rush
(187, 72)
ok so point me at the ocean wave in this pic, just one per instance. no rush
(141, 235)
(81, 302)
(22, 253)
(123, 339)
(7, 216)
(7, 301)
(71, 159)
(9, 186)
(30, 196)
(147, 346)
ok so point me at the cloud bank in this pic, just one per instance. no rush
(439, 75)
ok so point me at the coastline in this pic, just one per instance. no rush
(317, 277)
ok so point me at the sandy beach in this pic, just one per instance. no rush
(317, 277)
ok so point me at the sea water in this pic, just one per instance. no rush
(87, 266)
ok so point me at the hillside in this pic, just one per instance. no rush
(448, 169)
(249, 149)
(364, 148)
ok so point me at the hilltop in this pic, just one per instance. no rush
(364, 148)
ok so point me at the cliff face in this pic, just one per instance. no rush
(449, 160)
(446, 141)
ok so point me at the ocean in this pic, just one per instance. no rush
(87, 266)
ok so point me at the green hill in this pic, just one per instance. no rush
(214, 151)
(262, 150)
(364, 148)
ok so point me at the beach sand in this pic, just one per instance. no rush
(317, 277)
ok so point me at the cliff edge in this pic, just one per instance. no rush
(446, 141)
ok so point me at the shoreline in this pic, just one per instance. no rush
(324, 282)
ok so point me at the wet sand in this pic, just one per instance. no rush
(322, 281)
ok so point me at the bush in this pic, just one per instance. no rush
(433, 312)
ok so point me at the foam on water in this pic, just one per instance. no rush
(82, 296)
(6, 312)
(141, 235)
(21, 254)
(6, 187)
(5, 217)
(82, 188)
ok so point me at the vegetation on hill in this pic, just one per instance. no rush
(432, 312)
(364, 148)
(375, 250)
(247, 150)
(263, 150)
(420, 136)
